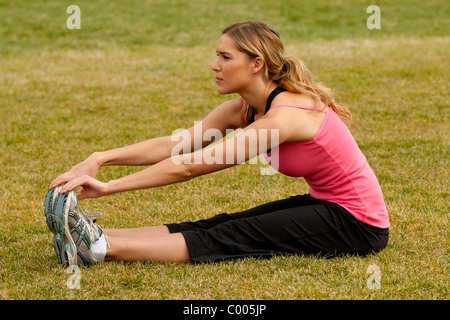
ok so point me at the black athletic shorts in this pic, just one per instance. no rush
(297, 225)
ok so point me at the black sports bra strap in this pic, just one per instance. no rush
(272, 96)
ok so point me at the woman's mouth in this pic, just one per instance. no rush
(218, 80)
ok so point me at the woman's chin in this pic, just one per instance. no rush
(223, 90)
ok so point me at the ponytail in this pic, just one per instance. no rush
(295, 76)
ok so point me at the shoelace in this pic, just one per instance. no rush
(91, 217)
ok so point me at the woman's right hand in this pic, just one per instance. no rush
(87, 167)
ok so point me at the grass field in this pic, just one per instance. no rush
(140, 69)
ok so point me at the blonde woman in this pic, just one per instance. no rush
(298, 127)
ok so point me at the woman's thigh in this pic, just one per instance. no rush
(274, 206)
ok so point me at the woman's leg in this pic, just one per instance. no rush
(143, 232)
(312, 227)
(163, 247)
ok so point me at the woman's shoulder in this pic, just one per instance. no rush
(297, 99)
(299, 113)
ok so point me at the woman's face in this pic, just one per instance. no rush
(233, 68)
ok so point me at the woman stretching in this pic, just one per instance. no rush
(285, 115)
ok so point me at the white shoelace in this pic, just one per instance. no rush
(91, 217)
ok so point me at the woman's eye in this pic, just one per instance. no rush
(224, 56)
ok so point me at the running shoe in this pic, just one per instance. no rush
(64, 246)
(74, 231)
(49, 202)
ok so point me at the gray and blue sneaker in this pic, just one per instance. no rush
(49, 202)
(74, 231)
(56, 226)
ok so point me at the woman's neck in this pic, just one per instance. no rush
(256, 95)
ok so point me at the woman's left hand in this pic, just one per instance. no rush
(92, 188)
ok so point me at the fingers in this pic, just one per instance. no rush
(58, 181)
(62, 179)
(76, 177)
(92, 188)
(83, 168)
(74, 183)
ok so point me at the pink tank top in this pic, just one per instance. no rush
(334, 168)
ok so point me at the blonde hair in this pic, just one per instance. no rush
(258, 39)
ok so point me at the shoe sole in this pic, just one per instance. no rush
(49, 207)
(56, 210)
(50, 219)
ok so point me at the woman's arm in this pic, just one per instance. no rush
(152, 151)
(142, 153)
(225, 116)
(264, 134)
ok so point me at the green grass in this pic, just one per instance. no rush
(139, 69)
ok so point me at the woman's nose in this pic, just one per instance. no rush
(215, 66)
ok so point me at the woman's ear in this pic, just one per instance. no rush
(258, 64)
